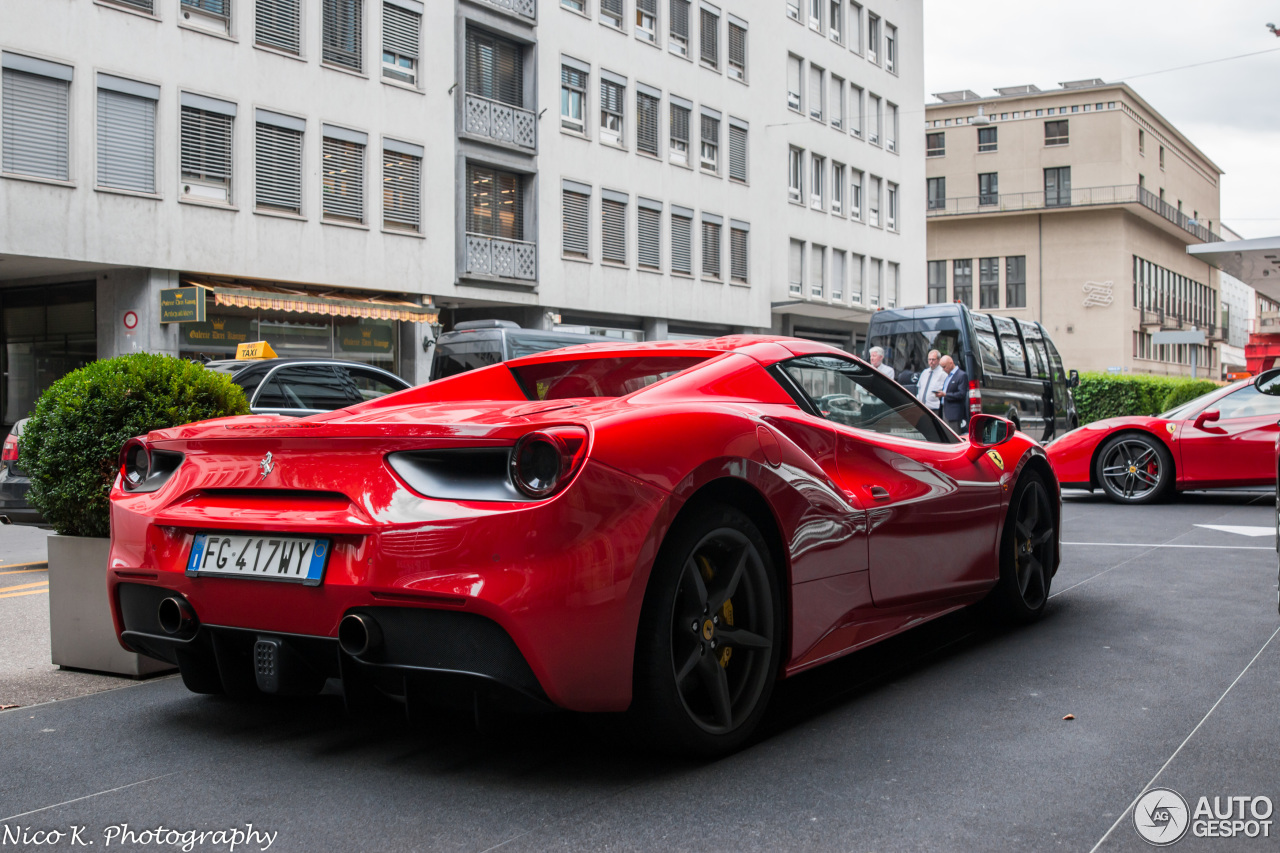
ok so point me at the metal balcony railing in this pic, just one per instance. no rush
(1076, 197)
(501, 122)
(527, 9)
(502, 258)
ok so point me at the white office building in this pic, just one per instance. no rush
(346, 177)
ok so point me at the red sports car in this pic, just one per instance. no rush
(1218, 440)
(667, 528)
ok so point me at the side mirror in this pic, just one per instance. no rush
(989, 430)
(1268, 382)
(1073, 379)
(1208, 416)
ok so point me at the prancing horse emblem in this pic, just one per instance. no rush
(267, 466)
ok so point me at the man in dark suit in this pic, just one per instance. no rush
(954, 396)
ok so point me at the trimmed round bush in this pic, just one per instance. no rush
(71, 446)
(1113, 395)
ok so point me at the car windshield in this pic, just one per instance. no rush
(1190, 407)
(598, 377)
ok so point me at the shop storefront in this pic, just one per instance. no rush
(49, 331)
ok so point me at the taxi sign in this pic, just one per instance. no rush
(255, 350)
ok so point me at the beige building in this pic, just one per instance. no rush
(1075, 207)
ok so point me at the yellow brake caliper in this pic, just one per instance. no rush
(726, 612)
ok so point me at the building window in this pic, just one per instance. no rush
(793, 9)
(277, 162)
(342, 33)
(401, 186)
(1161, 156)
(988, 282)
(873, 38)
(738, 259)
(817, 179)
(837, 275)
(679, 134)
(646, 123)
(737, 151)
(710, 150)
(1142, 142)
(815, 14)
(579, 6)
(573, 98)
(709, 32)
(817, 271)
(711, 247)
(126, 134)
(209, 14)
(343, 187)
(837, 189)
(873, 203)
(495, 68)
(891, 286)
(611, 99)
(1015, 282)
(611, 13)
(647, 20)
(575, 214)
(737, 51)
(937, 193)
(935, 145)
(1055, 132)
(278, 24)
(891, 206)
(855, 195)
(856, 101)
(987, 139)
(891, 127)
(937, 281)
(962, 281)
(816, 97)
(795, 268)
(649, 234)
(400, 33)
(147, 6)
(873, 115)
(837, 21)
(205, 150)
(36, 118)
(795, 173)
(678, 41)
(794, 73)
(1057, 187)
(495, 203)
(855, 28)
(891, 50)
(613, 227)
(875, 272)
(837, 102)
(681, 242)
(989, 188)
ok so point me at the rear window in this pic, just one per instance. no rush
(454, 358)
(906, 343)
(598, 377)
(520, 345)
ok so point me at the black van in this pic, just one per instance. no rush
(1014, 369)
(479, 343)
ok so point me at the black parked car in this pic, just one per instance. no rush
(14, 483)
(306, 386)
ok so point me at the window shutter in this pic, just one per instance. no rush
(206, 146)
(610, 97)
(837, 274)
(738, 254)
(815, 91)
(495, 203)
(36, 125)
(795, 266)
(221, 8)
(679, 124)
(400, 31)
(574, 213)
(681, 244)
(612, 7)
(343, 188)
(646, 123)
(572, 77)
(680, 18)
(649, 231)
(709, 32)
(816, 284)
(343, 33)
(737, 46)
(401, 190)
(738, 153)
(495, 68)
(855, 278)
(613, 231)
(144, 5)
(710, 130)
(126, 142)
(711, 250)
(278, 163)
(649, 7)
(278, 24)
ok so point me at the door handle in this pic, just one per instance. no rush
(880, 493)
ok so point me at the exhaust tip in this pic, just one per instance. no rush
(175, 616)
(358, 634)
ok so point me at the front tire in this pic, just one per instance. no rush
(710, 638)
(1028, 551)
(1134, 468)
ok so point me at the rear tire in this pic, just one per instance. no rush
(1028, 551)
(1134, 468)
(710, 638)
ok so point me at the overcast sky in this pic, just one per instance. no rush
(1230, 110)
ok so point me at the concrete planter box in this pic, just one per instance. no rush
(81, 634)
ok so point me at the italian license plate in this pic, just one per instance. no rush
(265, 557)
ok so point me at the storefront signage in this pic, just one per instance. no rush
(364, 338)
(220, 331)
(182, 305)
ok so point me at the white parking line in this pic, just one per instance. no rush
(1166, 545)
(86, 797)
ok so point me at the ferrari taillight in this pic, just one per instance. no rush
(975, 399)
(145, 470)
(10, 449)
(543, 462)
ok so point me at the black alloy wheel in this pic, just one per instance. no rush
(1134, 469)
(1028, 551)
(710, 635)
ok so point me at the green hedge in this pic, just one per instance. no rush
(71, 445)
(1112, 395)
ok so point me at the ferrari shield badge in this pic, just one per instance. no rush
(1172, 428)
(996, 458)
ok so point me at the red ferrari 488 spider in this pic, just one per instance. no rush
(1222, 439)
(667, 528)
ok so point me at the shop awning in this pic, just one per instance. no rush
(331, 303)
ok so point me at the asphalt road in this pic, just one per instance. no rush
(950, 738)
